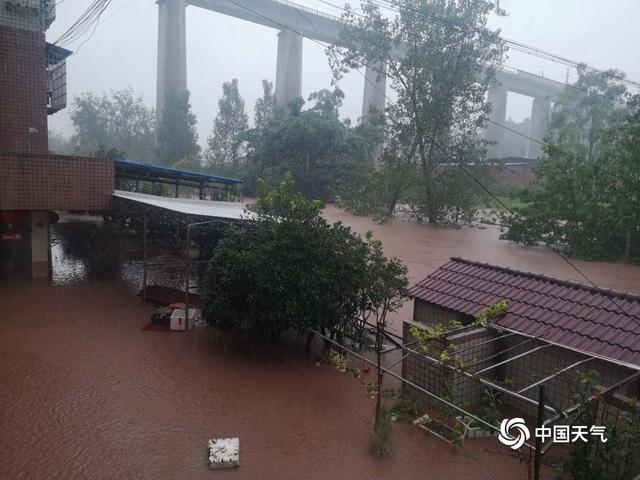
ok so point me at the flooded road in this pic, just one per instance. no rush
(86, 394)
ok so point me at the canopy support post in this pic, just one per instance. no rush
(144, 260)
(187, 269)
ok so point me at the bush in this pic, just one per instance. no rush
(293, 270)
(617, 459)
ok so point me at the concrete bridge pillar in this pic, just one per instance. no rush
(288, 68)
(498, 100)
(540, 115)
(375, 86)
(172, 51)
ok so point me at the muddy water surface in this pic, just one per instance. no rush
(84, 393)
(423, 249)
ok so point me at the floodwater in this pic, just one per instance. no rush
(423, 249)
(84, 393)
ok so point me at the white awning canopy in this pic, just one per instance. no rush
(187, 206)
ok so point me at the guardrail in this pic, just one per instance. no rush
(309, 10)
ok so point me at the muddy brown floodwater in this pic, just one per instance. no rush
(423, 249)
(84, 393)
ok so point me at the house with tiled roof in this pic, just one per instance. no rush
(553, 332)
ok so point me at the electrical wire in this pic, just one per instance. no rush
(519, 70)
(456, 162)
(516, 45)
(87, 22)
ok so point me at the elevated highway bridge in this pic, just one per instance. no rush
(295, 22)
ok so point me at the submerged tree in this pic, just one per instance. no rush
(440, 57)
(385, 291)
(292, 270)
(585, 196)
(116, 121)
(177, 135)
(225, 142)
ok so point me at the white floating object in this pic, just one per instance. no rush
(178, 321)
(224, 452)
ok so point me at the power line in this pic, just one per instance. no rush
(564, 84)
(516, 45)
(468, 173)
(87, 21)
(117, 12)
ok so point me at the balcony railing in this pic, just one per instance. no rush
(56, 78)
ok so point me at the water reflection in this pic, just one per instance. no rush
(92, 249)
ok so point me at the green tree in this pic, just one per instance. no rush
(112, 153)
(585, 196)
(321, 152)
(621, 156)
(327, 102)
(192, 163)
(177, 135)
(60, 144)
(116, 121)
(291, 270)
(225, 142)
(587, 110)
(385, 290)
(264, 109)
(440, 58)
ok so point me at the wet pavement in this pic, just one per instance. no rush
(86, 394)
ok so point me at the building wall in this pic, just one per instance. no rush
(562, 391)
(565, 389)
(23, 97)
(443, 381)
(55, 182)
(520, 176)
(426, 313)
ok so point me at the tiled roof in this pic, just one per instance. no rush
(600, 322)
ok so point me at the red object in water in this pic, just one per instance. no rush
(165, 296)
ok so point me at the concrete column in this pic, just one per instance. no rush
(172, 51)
(39, 244)
(289, 68)
(498, 100)
(375, 86)
(540, 115)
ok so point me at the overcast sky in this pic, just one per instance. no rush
(122, 51)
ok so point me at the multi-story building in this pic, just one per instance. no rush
(33, 182)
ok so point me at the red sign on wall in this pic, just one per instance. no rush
(10, 237)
